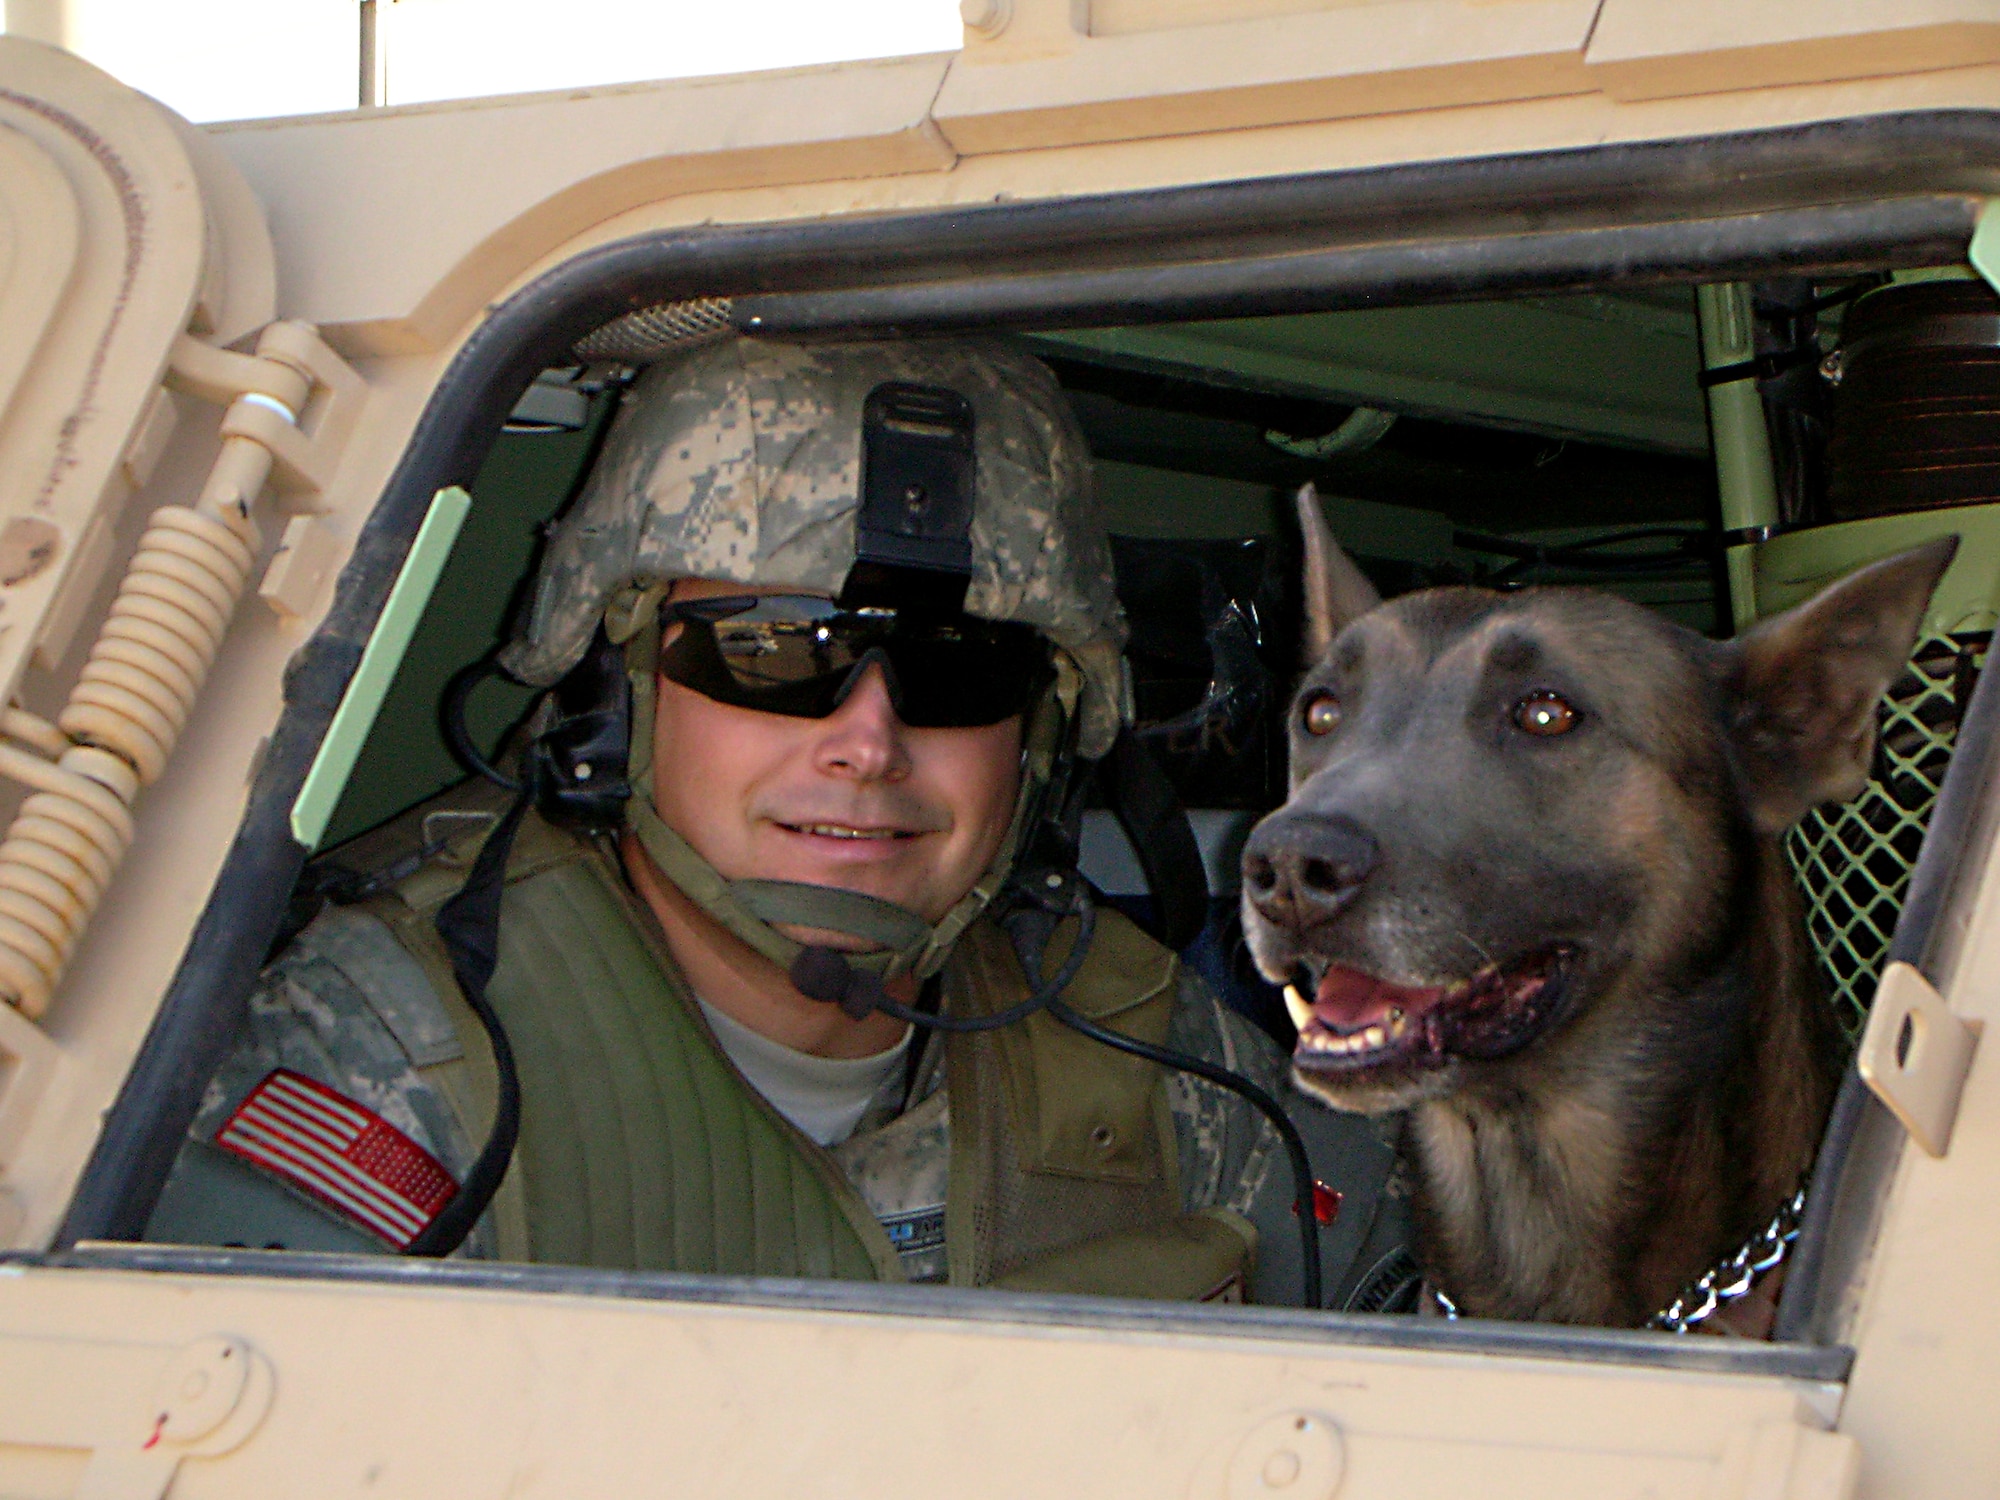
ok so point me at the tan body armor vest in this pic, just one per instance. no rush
(643, 1148)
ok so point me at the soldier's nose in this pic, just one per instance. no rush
(864, 738)
(1299, 869)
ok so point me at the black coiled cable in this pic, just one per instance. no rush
(451, 718)
(1295, 1145)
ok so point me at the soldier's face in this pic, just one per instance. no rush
(857, 800)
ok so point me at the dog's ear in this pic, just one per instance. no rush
(1804, 684)
(1337, 593)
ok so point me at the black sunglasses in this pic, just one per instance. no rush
(801, 655)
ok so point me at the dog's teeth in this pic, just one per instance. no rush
(1301, 1010)
(1395, 1015)
(1319, 1038)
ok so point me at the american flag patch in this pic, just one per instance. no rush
(349, 1158)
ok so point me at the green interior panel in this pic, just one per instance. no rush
(388, 644)
(525, 481)
(1614, 368)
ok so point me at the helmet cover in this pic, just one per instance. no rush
(741, 461)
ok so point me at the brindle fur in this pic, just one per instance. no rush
(1678, 1090)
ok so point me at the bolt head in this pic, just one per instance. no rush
(987, 17)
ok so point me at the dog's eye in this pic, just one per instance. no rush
(1545, 713)
(1320, 714)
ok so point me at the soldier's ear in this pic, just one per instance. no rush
(1803, 686)
(1336, 591)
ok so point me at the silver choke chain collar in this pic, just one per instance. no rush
(1729, 1280)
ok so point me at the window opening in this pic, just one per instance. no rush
(1493, 444)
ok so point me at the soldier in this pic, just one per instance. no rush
(859, 604)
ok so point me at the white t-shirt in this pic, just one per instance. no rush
(824, 1096)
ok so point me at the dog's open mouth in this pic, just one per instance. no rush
(1355, 1020)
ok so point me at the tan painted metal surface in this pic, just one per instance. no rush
(86, 422)
(875, 137)
(393, 230)
(421, 1392)
(428, 231)
(1641, 50)
(1927, 1332)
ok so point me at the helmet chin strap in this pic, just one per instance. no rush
(748, 909)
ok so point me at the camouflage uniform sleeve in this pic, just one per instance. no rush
(1231, 1157)
(347, 1007)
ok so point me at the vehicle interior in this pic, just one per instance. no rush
(1560, 439)
(1504, 444)
(1565, 436)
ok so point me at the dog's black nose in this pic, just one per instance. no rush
(1300, 868)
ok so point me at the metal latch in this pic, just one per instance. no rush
(1915, 1055)
(291, 408)
(269, 399)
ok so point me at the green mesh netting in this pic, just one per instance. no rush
(1854, 860)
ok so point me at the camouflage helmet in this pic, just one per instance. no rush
(741, 462)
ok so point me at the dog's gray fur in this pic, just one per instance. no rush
(1671, 1087)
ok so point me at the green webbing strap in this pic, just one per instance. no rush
(740, 906)
(873, 921)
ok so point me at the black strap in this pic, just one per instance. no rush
(1149, 810)
(1762, 367)
(469, 924)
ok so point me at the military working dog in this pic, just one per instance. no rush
(1528, 887)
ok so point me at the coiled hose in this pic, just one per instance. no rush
(124, 715)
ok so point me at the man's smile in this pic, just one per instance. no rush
(832, 841)
(850, 831)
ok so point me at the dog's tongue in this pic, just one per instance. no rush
(1347, 999)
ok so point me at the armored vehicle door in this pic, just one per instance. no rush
(130, 251)
(1124, 200)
